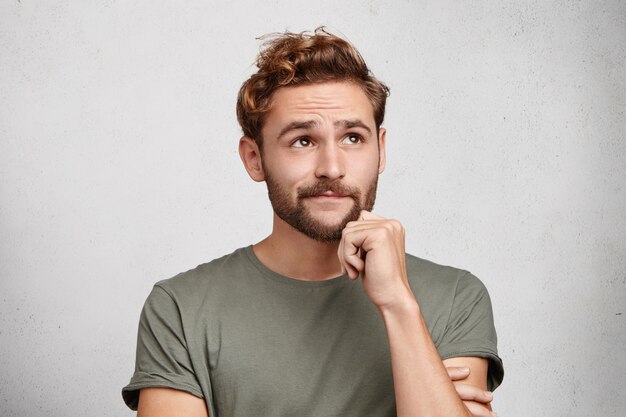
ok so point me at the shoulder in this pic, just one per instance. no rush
(206, 278)
(456, 307)
(439, 288)
(425, 273)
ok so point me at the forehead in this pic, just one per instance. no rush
(321, 102)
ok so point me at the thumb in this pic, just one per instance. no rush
(366, 215)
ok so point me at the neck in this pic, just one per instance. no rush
(290, 253)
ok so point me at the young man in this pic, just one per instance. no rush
(327, 316)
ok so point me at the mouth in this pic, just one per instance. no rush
(329, 194)
(329, 199)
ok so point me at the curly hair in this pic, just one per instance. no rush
(291, 59)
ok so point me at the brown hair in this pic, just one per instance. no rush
(290, 59)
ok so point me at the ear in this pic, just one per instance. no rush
(382, 153)
(251, 157)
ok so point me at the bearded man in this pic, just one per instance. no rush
(327, 316)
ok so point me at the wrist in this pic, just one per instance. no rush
(404, 306)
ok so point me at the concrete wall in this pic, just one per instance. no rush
(119, 167)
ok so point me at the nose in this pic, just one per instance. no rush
(330, 162)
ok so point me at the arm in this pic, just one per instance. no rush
(373, 248)
(469, 376)
(421, 384)
(167, 402)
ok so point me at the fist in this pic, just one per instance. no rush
(373, 248)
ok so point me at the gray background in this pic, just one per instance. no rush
(119, 167)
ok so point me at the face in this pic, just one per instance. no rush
(321, 157)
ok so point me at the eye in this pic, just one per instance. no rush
(302, 142)
(352, 139)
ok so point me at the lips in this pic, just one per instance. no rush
(330, 194)
(334, 190)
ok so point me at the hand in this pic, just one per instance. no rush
(374, 248)
(477, 401)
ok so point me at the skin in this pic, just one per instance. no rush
(325, 133)
(303, 156)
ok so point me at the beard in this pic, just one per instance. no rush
(300, 218)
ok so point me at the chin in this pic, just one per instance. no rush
(331, 221)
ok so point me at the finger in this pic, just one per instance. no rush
(351, 271)
(472, 393)
(340, 257)
(352, 249)
(390, 226)
(364, 223)
(346, 267)
(457, 373)
(366, 215)
(479, 410)
(353, 260)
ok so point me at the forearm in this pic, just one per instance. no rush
(421, 383)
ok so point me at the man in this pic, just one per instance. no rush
(281, 328)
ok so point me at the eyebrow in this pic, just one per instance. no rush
(308, 124)
(303, 125)
(352, 123)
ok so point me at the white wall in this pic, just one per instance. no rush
(118, 168)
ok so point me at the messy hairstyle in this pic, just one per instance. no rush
(291, 59)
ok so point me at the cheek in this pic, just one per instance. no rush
(290, 173)
(367, 170)
(294, 173)
(297, 168)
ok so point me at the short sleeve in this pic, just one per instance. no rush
(162, 357)
(470, 330)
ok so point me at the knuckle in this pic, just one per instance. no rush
(476, 409)
(397, 225)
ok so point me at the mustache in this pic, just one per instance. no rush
(334, 187)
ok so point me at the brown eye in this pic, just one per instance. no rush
(301, 143)
(352, 140)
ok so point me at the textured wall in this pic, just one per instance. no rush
(118, 167)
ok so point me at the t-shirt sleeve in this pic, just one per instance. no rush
(470, 330)
(162, 357)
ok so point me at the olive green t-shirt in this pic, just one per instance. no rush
(252, 342)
